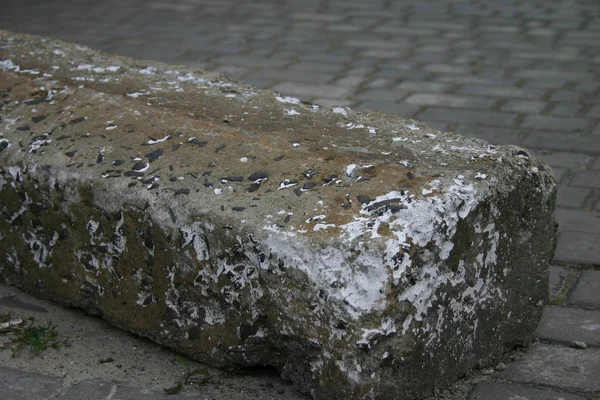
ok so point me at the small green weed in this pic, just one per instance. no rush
(26, 334)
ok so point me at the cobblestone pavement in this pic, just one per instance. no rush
(507, 71)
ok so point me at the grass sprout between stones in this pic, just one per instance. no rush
(201, 376)
(24, 333)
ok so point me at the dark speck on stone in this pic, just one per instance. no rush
(100, 157)
(287, 218)
(363, 199)
(131, 184)
(37, 119)
(258, 175)
(76, 120)
(198, 142)
(23, 128)
(211, 165)
(219, 148)
(71, 153)
(182, 191)
(309, 185)
(63, 137)
(278, 158)
(176, 146)
(238, 208)
(410, 175)
(207, 173)
(232, 179)
(133, 174)
(116, 163)
(139, 166)
(154, 155)
(253, 187)
(208, 184)
(173, 179)
(298, 192)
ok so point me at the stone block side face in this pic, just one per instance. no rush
(362, 255)
(226, 297)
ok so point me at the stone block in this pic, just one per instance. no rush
(566, 325)
(360, 254)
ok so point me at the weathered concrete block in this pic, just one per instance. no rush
(361, 254)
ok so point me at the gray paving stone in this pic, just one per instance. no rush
(492, 134)
(566, 109)
(545, 83)
(587, 292)
(468, 116)
(563, 324)
(424, 86)
(381, 95)
(20, 385)
(586, 179)
(450, 100)
(279, 75)
(558, 367)
(524, 106)
(594, 112)
(596, 165)
(102, 390)
(311, 90)
(578, 221)
(513, 391)
(571, 197)
(500, 91)
(559, 173)
(566, 159)
(447, 69)
(566, 95)
(401, 109)
(554, 123)
(578, 247)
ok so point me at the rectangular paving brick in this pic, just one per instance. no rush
(491, 134)
(447, 68)
(594, 112)
(524, 106)
(401, 109)
(578, 247)
(566, 109)
(558, 367)
(566, 159)
(377, 44)
(514, 391)
(578, 221)
(566, 95)
(17, 385)
(312, 91)
(587, 293)
(450, 100)
(467, 116)
(498, 91)
(554, 123)
(589, 179)
(563, 324)
(424, 86)
(381, 95)
(572, 197)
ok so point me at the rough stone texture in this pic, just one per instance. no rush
(19, 385)
(362, 255)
